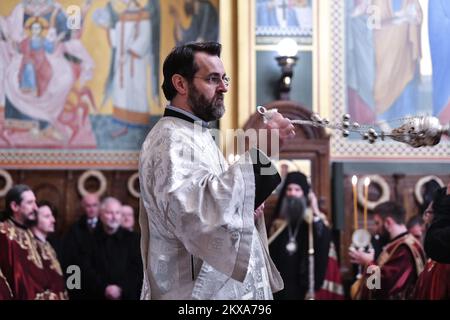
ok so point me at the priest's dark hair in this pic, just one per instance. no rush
(181, 61)
(14, 195)
(391, 209)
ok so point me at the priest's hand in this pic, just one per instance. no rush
(361, 257)
(277, 127)
(113, 292)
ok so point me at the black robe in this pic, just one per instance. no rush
(437, 238)
(294, 269)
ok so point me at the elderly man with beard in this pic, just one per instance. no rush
(21, 262)
(302, 249)
(113, 270)
(200, 237)
(399, 264)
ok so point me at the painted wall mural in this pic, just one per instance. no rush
(396, 59)
(284, 18)
(85, 75)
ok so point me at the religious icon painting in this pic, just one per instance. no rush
(388, 66)
(80, 79)
(277, 19)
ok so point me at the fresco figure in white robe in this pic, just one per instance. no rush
(134, 38)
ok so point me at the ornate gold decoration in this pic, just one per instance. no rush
(24, 239)
(49, 254)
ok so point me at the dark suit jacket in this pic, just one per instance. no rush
(113, 259)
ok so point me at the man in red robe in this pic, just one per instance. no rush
(434, 281)
(394, 274)
(45, 225)
(20, 260)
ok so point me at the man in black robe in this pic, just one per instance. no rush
(289, 244)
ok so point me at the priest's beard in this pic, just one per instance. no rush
(383, 237)
(30, 220)
(293, 208)
(207, 110)
(30, 223)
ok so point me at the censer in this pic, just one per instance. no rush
(418, 131)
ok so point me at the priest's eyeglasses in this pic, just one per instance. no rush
(216, 80)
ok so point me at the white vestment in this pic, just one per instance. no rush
(132, 39)
(199, 239)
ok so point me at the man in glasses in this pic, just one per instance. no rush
(201, 238)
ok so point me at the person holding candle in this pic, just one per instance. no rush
(399, 264)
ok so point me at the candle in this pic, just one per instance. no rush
(366, 199)
(355, 209)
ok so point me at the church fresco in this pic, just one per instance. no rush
(84, 76)
(276, 19)
(396, 59)
(387, 65)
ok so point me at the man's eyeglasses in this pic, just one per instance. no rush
(216, 80)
